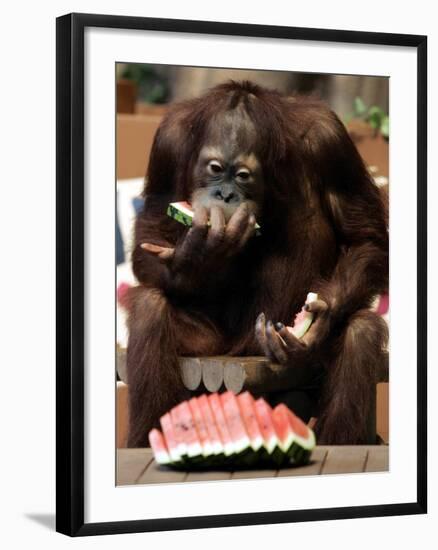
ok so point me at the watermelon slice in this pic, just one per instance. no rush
(296, 439)
(246, 406)
(235, 424)
(229, 431)
(218, 415)
(303, 319)
(210, 424)
(182, 212)
(159, 447)
(264, 419)
(201, 427)
(179, 432)
(170, 438)
(304, 438)
(190, 435)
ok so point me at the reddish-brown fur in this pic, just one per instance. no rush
(323, 230)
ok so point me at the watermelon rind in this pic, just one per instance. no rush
(300, 328)
(300, 449)
(184, 215)
(180, 213)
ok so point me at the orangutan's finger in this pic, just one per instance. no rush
(164, 253)
(275, 344)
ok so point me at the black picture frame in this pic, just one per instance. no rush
(70, 272)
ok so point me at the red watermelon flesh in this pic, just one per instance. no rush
(296, 423)
(170, 437)
(235, 424)
(221, 424)
(201, 427)
(210, 423)
(159, 447)
(264, 419)
(191, 438)
(246, 406)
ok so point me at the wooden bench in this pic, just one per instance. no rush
(255, 374)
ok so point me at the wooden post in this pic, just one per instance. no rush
(191, 371)
(212, 373)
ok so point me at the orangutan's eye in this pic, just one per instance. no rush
(215, 167)
(243, 174)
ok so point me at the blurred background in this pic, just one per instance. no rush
(144, 93)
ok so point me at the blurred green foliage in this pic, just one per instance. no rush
(152, 86)
(374, 116)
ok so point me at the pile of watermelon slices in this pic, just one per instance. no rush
(228, 430)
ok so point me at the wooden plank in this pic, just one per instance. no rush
(122, 416)
(191, 372)
(382, 423)
(345, 459)
(371, 418)
(131, 463)
(254, 474)
(212, 373)
(155, 473)
(234, 376)
(213, 475)
(378, 459)
(313, 468)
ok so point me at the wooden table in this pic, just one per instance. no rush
(137, 466)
